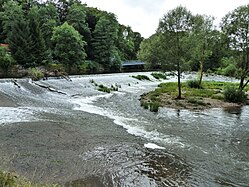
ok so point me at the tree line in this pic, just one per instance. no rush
(184, 41)
(64, 33)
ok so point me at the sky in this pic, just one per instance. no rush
(143, 15)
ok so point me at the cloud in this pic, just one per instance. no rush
(143, 15)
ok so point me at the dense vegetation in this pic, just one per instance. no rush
(63, 34)
(184, 41)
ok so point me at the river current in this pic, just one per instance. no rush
(132, 146)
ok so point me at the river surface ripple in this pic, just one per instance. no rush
(139, 148)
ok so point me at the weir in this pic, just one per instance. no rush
(85, 136)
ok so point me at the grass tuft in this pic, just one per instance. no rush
(141, 77)
(159, 76)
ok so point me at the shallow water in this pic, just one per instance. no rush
(169, 148)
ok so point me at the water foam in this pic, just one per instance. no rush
(153, 146)
(16, 114)
(130, 124)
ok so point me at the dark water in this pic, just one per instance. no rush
(131, 146)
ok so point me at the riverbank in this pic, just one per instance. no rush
(210, 96)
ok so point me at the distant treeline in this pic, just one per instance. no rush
(63, 34)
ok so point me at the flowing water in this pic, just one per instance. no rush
(117, 142)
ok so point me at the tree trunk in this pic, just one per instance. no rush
(241, 85)
(179, 81)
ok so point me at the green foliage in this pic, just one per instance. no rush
(235, 95)
(32, 31)
(104, 37)
(230, 70)
(193, 83)
(154, 106)
(11, 179)
(174, 29)
(68, 45)
(159, 76)
(209, 90)
(36, 74)
(77, 18)
(103, 88)
(235, 27)
(141, 77)
(6, 60)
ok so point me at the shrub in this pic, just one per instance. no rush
(144, 104)
(234, 95)
(193, 84)
(154, 106)
(158, 76)
(103, 88)
(36, 74)
(141, 77)
(230, 70)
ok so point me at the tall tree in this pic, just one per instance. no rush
(174, 27)
(104, 37)
(39, 49)
(236, 26)
(199, 40)
(68, 46)
(48, 19)
(151, 52)
(77, 18)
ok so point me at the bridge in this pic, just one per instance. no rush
(133, 65)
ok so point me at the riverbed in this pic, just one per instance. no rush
(68, 132)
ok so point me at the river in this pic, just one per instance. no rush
(75, 135)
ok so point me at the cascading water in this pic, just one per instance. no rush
(76, 133)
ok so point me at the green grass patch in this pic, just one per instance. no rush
(209, 89)
(159, 76)
(11, 179)
(106, 89)
(141, 77)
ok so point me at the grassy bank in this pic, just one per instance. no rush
(11, 179)
(209, 96)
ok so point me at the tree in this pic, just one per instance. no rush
(77, 18)
(21, 44)
(236, 26)
(6, 60)
(104, 37)
(68, 46)
(39, 49)
(174, 28)
(199, 39)
(48, 18)
(151, 52)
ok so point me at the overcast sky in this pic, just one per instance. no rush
(143, 15)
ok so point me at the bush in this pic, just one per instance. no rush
(36, 74)
(103, 88)
(235, 95)
(230, 70)
(141, 77)
(158, 76)
(193, 84)
(6, 60)
(154, 106)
